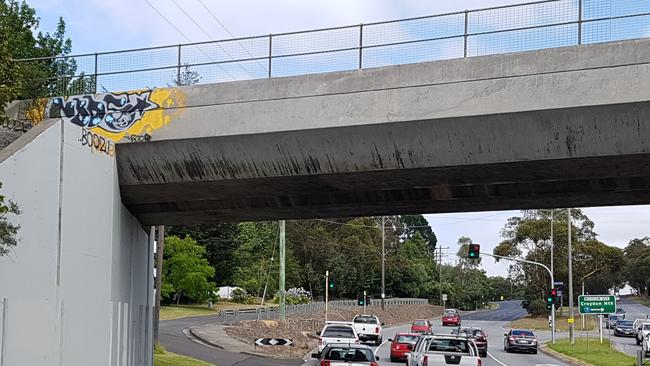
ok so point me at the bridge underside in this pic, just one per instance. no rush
(539, 159)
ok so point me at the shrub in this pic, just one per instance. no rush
(239, 295)
(537, 308)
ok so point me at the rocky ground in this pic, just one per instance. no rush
(302, 329)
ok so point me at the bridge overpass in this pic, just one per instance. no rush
(550, 128)
(553, 128)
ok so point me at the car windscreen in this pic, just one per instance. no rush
(523, 333)
(478, 333)
(349, 354)
(449, 345)
(407, 338)
(615, 317)
(365, 320)
(625, 323)
(420, 323)
(449, 314)
(338, 332)
(646, 326)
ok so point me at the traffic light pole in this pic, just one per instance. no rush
(552, 284)
(327, 287)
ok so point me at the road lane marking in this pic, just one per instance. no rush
(381, 345)
(494, 358)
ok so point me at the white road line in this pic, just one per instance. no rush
(381, 345)
(494, 358)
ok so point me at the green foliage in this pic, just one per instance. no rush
(8, 230)
(637, 264)
(186, 272)
(239, 295)
(537, 307)
(187, 77)
(528, 237)
(32, 80)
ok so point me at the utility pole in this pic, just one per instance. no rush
(160, 246)
(383, 263)
(571, 320)
(442, 301)
(283, 297)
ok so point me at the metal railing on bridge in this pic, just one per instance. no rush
(528, 26)
(229, 316)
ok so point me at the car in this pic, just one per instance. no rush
(520, 340)
(611, 321)
(337, 332)
(442, 350)
(421, 326)
(451, 317)
(477, 334)
(624, 328)
(620, 310)
(368, 328)
(642, 330)
(401, 345)
(346, 355)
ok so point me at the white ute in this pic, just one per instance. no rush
(337, 332)
(443, 350)
(368, 328)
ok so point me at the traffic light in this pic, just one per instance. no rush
(331, 285)
(474, 251)
(360, 301)
(551, 295)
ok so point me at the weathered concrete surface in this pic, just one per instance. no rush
(552, 128)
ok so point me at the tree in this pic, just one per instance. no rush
(187, 77)
(418, 224)
(186, 271)
(637, 264)
(8, 230)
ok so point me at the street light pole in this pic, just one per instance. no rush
(571, 320)
(552, 282)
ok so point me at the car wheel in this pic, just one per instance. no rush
(638, 343)
(505, 348)
(483, 354)
(535, 351)
(393, 359)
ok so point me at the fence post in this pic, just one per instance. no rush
(466, 33)
(361, 46)
(579, 22)
(270, 53)
(178, 66)
(95, 77)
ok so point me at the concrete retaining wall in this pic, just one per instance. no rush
(77, 282)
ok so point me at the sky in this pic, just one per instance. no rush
(100, 25)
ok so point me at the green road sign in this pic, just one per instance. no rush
(597, 304)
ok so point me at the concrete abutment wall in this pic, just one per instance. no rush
(76, 284)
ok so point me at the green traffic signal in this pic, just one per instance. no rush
(331, 284)
(474, 251)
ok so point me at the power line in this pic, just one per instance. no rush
(230, 34)
(186, 37)
(209, 36)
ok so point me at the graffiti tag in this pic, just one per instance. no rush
(112, 113)
(15, 125)
(97, 142)
(140, 138)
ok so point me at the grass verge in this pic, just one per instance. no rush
(641, 300)
(541, 323)
(164, 358)
(593, 352)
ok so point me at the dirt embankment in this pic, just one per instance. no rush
(302, 329)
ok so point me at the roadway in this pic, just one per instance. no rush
(633, 311)
(493, 322)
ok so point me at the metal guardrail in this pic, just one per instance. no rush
(229, 316)
(468, 33)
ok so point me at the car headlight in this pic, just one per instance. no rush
(619, 329)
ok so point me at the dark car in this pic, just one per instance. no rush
(624, 328)
(345, 354)
(401, 345)
(613, 319)
(520, 340)
(478, 335)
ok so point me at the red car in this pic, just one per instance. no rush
(421, 326)
(400, 346)
(451, 317)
